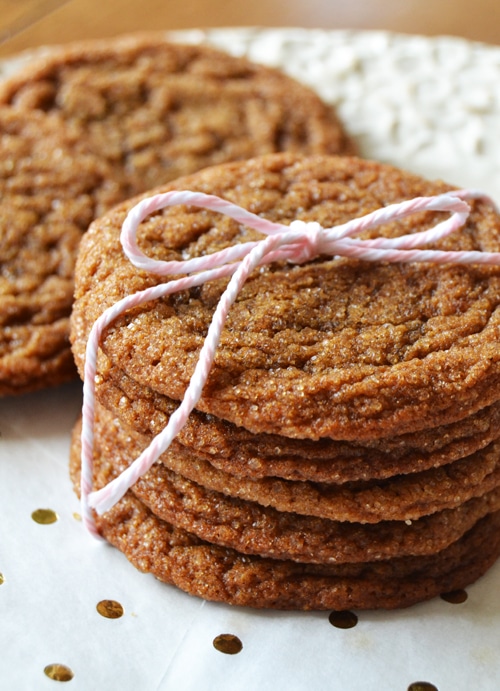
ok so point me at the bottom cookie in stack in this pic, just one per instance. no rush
(240, 552)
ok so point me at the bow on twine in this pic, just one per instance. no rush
(298, 243)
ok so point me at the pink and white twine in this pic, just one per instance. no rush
(298, 243)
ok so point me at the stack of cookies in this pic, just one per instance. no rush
(345, 450)
(87, 125)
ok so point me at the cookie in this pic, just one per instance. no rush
(238, 452)
(336, 348)
(147, 111)
(251, 528)
(215, 573)
(222, 573)
(157, 110)
(401, 498)
(51, 188)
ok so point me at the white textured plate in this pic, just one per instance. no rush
(428, 105)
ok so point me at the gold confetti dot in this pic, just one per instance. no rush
(228, 644)
(58, 672)
(456, 597)
(422, 686)
(77, 516)
(44, 516)
(2, 579)
(343, 620)
(110, 609)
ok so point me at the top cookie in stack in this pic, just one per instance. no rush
(147, 111)
(344, 452)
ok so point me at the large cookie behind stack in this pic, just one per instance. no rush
(147, 111)
(392, 365)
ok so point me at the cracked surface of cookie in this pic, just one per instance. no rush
(147, 111)
(156, 110)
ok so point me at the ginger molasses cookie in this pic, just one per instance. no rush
(51, 188)
(217, 573)
(399, 498)
(332, 347)
(157, 110)
(238, 452)
(148, 111)
(252, 528)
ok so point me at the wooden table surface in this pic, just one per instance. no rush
(28, 23)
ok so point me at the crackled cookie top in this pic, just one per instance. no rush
(156, 110)
(146, 111)
(333, 347)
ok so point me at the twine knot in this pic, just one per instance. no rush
(309, 245)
